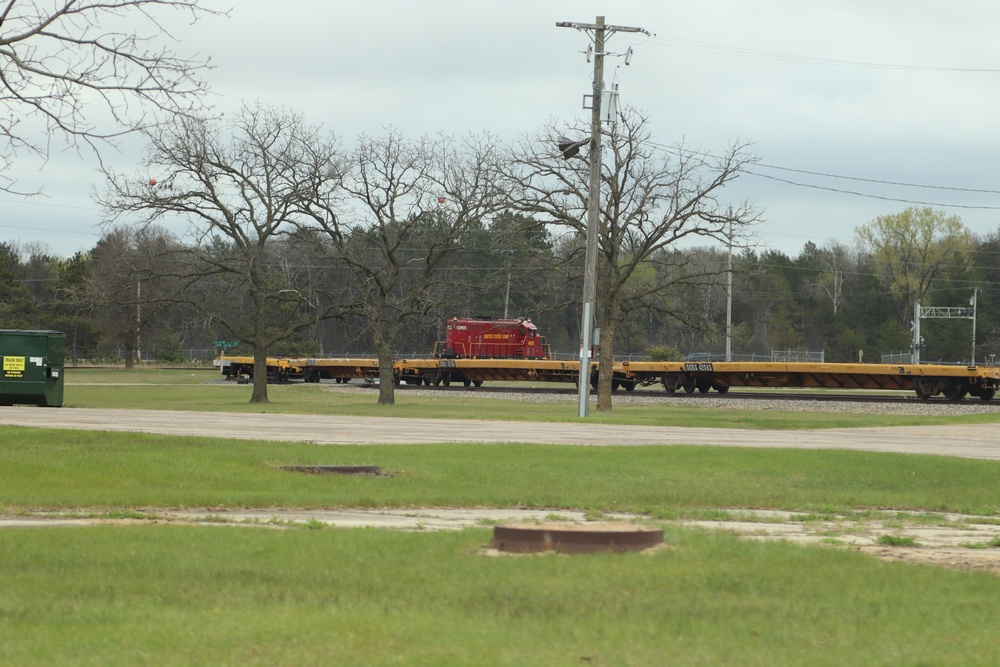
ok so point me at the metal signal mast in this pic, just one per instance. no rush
(934, 312)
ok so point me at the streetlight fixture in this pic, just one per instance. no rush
(570, 148)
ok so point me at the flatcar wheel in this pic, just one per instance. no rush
(478, 383)
(721, 388)
(987, 394)
(467, 383)
(927, 387)
(954, 390)
(690, 384)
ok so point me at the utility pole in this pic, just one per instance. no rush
(729, 291)
(599, 30)
(138, 321)
(593, 223)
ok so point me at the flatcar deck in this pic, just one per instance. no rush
(926, 380)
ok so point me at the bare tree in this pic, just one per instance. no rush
(90, 71)
(406, 207)
(651, 198)
(240, 196)
(835, 259)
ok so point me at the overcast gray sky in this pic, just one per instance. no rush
(870, 91)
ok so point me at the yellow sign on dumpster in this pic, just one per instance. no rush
(13, 367)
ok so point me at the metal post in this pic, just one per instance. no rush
(506, 296)
(915, 357)
(975, 291)
(138, 321)
(729, 293)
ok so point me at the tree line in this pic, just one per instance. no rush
(853, 302)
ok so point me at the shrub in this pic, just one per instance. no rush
(663, 353)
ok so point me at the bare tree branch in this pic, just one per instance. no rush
(240, 195)
(405, 208)
(91, 71)
(651, 199)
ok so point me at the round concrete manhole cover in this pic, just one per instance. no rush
(574, 538)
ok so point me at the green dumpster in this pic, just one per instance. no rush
(32, 367)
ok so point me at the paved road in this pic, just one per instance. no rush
(973, 441)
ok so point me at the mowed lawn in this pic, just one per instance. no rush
(148, 592)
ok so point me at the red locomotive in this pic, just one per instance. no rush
(480, 338)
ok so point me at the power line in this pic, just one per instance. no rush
(880, 182)
(871, 196)
(749, 172)
(45, 229)
(723, 49)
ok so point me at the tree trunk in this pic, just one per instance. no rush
(606, 357)
(259, 394)
(608, 312)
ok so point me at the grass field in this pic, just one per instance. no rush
(154, 389)
(164, 594)
(169, 595)
(63, 469)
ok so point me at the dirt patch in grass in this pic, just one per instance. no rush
(944, 540)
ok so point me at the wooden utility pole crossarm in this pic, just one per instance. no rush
(611, 29)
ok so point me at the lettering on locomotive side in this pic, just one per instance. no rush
(702, 367)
